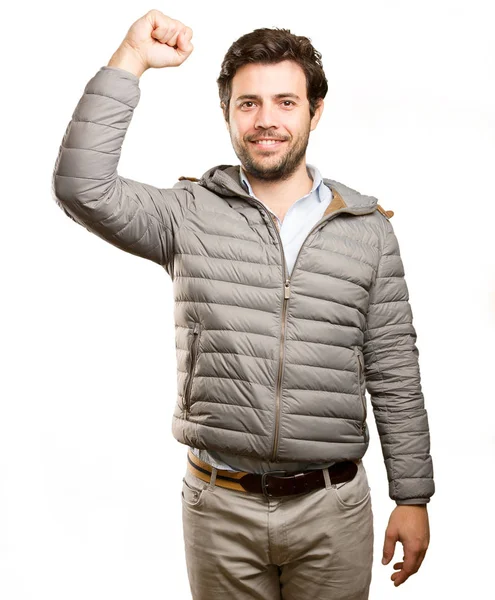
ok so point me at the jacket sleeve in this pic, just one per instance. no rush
(136, 217)
(393, 381)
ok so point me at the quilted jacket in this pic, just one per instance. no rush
(269, 365)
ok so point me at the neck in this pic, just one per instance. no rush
(281, 194)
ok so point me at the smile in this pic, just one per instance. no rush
(268, 143)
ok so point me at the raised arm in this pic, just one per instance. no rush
(138, 218)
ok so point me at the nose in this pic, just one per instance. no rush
(266, 117)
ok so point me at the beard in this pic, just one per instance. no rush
(271, 168)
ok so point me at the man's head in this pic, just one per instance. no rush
(271, 86)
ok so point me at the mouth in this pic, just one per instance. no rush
(267, 143)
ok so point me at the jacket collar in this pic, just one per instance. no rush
(323, 191)
(224, 180)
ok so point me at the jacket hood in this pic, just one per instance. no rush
(224, 181)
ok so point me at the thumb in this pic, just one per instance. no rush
(388, 548)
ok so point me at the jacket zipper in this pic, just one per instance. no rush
(278, 390)
(361, 396)
(285, 301)
(194, 346)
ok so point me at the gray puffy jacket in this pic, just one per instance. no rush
(268, 366)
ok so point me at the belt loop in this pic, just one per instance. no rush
(328, 481)
(214, 472)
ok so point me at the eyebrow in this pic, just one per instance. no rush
(275, 96)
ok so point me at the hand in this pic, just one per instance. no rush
(154, 40)
(409, 525)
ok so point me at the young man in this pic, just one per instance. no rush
(290, 303)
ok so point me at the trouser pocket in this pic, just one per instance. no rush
(355, 492)
(193, 489)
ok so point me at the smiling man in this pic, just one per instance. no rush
(270, 132)
(291, 302)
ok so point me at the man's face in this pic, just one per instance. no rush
(270, 102)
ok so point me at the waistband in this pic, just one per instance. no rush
(272, 483)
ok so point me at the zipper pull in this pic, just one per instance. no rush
(287, 289)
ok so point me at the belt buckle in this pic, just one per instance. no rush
(264, 487)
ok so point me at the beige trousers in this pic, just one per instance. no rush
(244, 546)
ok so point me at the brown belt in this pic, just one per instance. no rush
(273, 483)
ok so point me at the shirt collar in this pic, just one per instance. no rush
(323, 191)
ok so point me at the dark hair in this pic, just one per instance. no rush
(269, 46)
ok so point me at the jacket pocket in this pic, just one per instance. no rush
(193, 358)
(362, 397)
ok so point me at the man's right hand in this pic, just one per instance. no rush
(154, 40)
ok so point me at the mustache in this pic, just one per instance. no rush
(267, 136)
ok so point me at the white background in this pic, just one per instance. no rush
(90, 474)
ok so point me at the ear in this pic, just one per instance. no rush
(222, 106)
(318, 113)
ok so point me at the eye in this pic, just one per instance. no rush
(290, 103)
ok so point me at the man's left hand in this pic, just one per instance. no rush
(408, 524)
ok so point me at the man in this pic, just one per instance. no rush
(290, 303)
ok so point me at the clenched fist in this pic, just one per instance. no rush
(154, 40)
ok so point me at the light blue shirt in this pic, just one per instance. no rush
(301, 217)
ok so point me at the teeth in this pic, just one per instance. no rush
(267, 141)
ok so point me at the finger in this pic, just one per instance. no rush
(184, 45)
(177, 30)
(412, 560)
(388, 547)
(400, 577)
(188, 32)
(167, 33)
(407, 568)
(160, 33)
